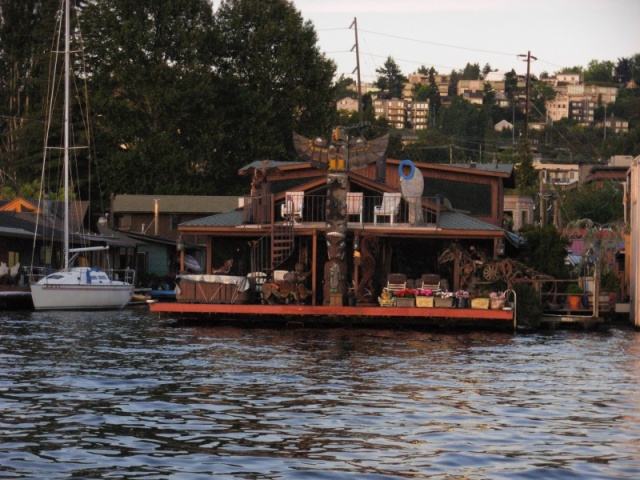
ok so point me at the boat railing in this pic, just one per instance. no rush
(415, 211)
(127, 275)
(36, 273)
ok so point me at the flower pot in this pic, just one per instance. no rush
(480, 303)
(496, 304)
(464, 303)
(443, 303)
(573, 301)
(405, 302)
(424, 302)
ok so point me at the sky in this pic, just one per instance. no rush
(448, 34)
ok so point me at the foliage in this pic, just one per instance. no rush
(545, 250)
(574, 289)
(528, 306)
(390, 79)
(406, 293)
(600, 243)
(610, 282)
(599, 203)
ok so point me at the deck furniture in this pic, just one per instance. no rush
(430, 281)
(388, 208)
(291, 209)
(396, 281)
(355, 202)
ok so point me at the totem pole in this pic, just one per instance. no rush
(338, 155)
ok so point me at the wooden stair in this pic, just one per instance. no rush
(272, 250)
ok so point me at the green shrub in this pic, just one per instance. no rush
(528, 306)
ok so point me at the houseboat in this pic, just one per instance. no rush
(319, 245)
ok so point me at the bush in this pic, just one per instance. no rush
(528, 306)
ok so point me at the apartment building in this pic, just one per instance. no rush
(582, 110)
(558, 108)
(393, 110)
(347, 103)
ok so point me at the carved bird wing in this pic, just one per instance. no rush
(363, 152)
(316, 150)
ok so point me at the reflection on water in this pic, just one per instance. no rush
(125, 395)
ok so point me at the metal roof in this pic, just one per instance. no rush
(232, 218)
(174, 203)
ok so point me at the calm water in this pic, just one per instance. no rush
(126, 395)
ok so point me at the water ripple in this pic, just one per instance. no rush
(125, 395)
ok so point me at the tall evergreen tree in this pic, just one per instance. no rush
(390, 80)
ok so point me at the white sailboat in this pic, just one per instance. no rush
(79, 287)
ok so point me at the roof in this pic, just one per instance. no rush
(227, 219)
(459, 221)
(270, 164)
(173, 203)
(498, 168)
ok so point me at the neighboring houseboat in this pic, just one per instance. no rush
(276, 250)
(632, 215)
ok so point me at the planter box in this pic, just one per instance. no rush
(424, 302)
(480, 303)
(496, 304)
(443, 302)
(405, 302)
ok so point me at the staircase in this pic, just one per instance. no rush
(272, 250)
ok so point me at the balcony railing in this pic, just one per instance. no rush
(418, 211)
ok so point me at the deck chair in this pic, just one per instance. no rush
(355, 204)
(291, 209)
(430, 281)
(396, 281)
(389, 207)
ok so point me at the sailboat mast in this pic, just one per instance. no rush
(67, 66)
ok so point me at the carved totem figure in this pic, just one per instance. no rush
(338, 155)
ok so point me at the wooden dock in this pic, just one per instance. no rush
(309, 315)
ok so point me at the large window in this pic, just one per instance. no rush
(471, 198)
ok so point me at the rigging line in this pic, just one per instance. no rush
(439, 44)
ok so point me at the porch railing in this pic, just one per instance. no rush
(419, 211)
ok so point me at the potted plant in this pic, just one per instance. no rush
(443, 299)
(386, 298)
(480, 301)
(424, 298)
(463, 299)
(497, 299)
(574, 296)
(405, 297)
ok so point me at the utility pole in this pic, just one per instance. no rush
(526, 107)
(354, 25)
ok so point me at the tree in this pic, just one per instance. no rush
(150, 64)
(471, 72)
(26, 30)
(271, 57)
(545, 250)
(601, 72)
(599, 203)
(433, 96)
(390, 79)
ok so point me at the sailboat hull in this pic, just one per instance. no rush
(80, 289)
(80, 297)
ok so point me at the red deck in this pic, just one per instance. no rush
(360, 315)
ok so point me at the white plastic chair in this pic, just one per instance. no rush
(389, 207)
(355, 204)
(291, 209)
